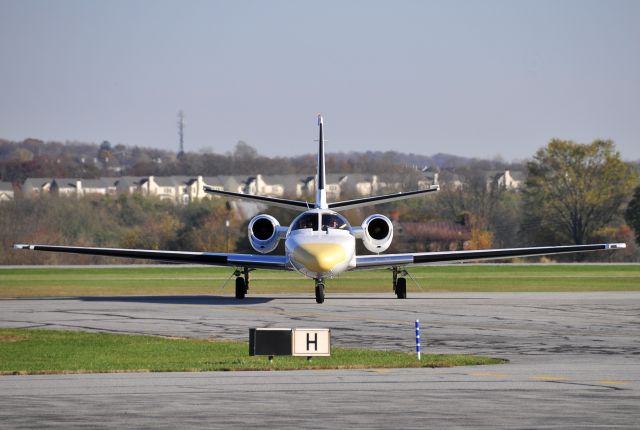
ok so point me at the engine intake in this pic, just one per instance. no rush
(264, 233)
(377, 233)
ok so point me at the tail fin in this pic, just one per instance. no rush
(321, 194)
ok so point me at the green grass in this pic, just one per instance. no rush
(26, 351)
(180, 280)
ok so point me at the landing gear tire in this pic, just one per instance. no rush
(401, 288)
(319, 293)
(241, 288)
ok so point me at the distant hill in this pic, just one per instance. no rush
(36, 158)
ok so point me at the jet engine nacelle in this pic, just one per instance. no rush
(265, 233)
(377, 232)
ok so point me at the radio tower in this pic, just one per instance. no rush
(181, 133)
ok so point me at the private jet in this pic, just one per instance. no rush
(320, 243)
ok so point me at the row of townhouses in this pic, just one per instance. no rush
(185, 189)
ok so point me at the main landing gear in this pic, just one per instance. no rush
(242, 282)
(319, 291)
(400, 284)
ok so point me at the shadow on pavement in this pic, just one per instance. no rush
(230, 300)
(180, 300)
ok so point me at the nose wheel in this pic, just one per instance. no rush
(319, 291)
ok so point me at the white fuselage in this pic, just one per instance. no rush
(319, 244)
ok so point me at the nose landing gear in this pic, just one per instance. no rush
(319, 291)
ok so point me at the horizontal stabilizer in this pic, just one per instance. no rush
(368, 201)
(273, 201)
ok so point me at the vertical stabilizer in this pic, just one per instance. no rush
(321, 194)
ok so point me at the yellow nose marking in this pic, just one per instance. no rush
(319, 257)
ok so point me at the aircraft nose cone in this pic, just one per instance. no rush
(320, 257)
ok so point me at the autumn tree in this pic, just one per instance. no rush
(573, 189)
(481, 238)
(483, 205)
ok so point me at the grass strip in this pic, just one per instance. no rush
(33, 351)
(180, 280)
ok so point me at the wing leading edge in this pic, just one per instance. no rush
(273, 262)
(364, 262)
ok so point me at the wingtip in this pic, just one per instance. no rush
(616, 245)
(20, 246)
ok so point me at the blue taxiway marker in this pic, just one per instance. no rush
(418, 338)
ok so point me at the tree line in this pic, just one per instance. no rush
(35, 158)
(128, 221)
(574, 194)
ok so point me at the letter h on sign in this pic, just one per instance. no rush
(314, 341)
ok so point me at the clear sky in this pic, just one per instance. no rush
(472, 78)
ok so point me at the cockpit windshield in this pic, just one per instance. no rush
(334, 221)
(329, 221)
(309, 220)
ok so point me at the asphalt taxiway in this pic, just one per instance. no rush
(574, 363)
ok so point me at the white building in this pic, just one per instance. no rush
(6, 191)
(510, 181)
(163, 187)
(36, 186)
(257, 185)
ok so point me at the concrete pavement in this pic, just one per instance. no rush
(575, 363)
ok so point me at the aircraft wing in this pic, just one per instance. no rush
(364, 262)
(273, 262)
